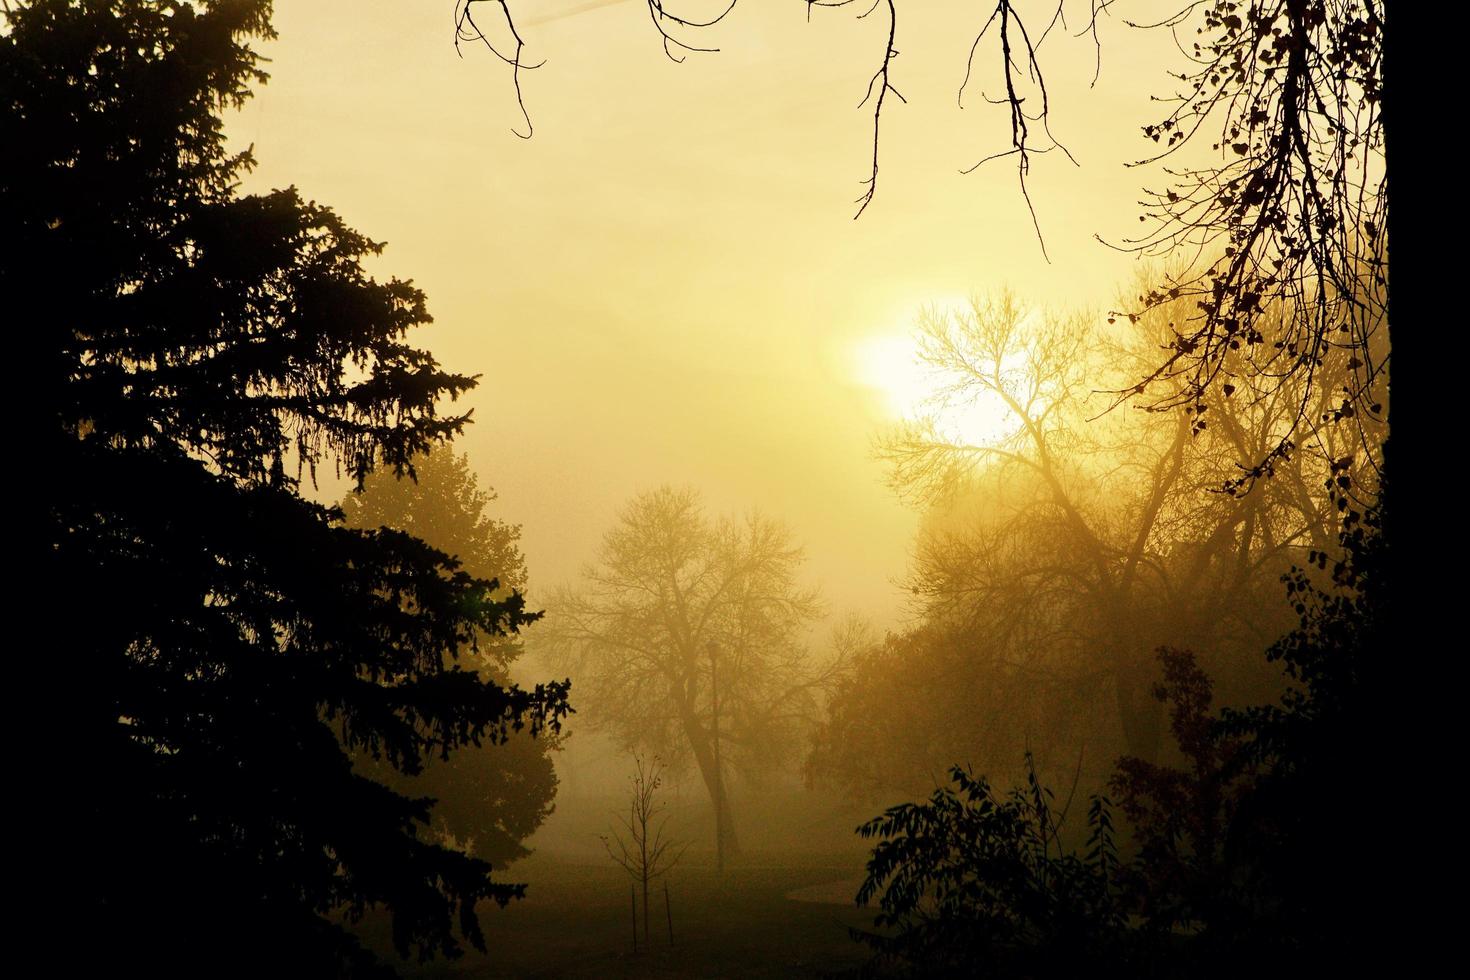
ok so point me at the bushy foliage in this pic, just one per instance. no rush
(974, 882)
(1181, 816)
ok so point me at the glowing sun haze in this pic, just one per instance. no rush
(914, 391)
(665, 284)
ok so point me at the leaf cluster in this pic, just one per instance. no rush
(1288, 206)
(974, 882)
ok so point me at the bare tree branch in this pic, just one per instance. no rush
(1294, 213)
(1294, 210)
(466, 30)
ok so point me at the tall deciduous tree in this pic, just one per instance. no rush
(686, 637)
(489, 797)
(1058, 553)
(201, 351)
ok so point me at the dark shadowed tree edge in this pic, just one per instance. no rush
(488, 798)
(203, 352)
(1248, 857)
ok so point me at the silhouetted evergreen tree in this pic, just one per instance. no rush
(230, 643)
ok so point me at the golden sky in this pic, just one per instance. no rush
(666, 284)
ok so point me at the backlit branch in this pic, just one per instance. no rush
(1292, 209)
(881, 80)
(466, 30)
(663, 20)
(1295, 209)
(1015, 42)
(1018, 54)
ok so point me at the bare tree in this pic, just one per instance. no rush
(1085, 533)
(645, 853)
(685, 638)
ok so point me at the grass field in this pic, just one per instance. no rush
(576, 921)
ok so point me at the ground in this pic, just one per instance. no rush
(755, 920)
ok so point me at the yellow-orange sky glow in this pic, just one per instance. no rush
(666, 284)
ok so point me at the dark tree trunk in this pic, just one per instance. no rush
(1140, 713)
(700, 742)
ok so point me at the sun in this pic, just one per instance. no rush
(910, 390)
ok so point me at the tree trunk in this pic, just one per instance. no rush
(646, 940)
(699, 741)
(643, 867)
(1140, 713)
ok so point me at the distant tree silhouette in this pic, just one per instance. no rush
(488, 797)
(686, 638)
(201, 352)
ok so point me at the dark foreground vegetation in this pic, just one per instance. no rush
(295, 745)
(1249, 856)
(205, 352)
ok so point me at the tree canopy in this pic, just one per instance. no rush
(1059, 550)
(444, 505)
(203, 352)
(686, 637)
(1240, 857)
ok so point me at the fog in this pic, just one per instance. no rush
(666, 284)
(948, 543)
